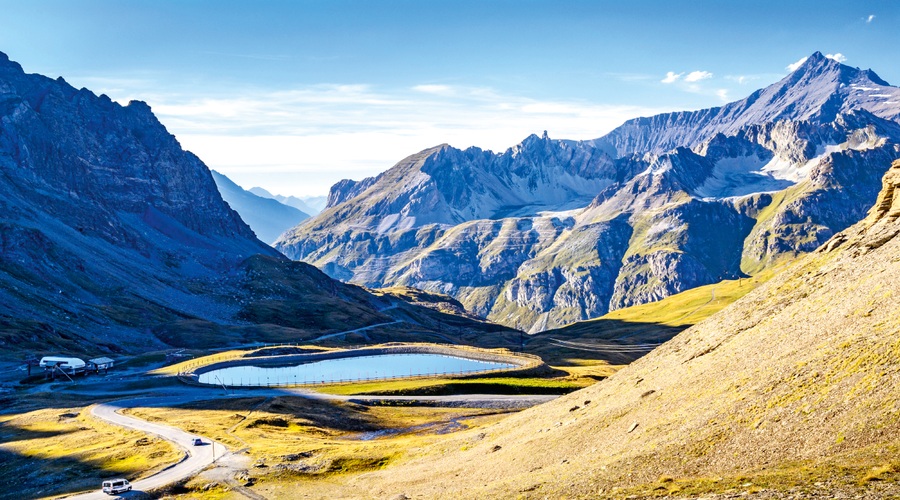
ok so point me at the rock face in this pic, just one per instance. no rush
(552, 231)
(267, 217)
(110, 234)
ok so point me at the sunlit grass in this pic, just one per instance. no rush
(66, 450)
(302, 439)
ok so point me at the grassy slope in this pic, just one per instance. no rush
(315, 443)
(654, 322)
(75, 452)
(792, 388)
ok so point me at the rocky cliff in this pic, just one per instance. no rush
(114, 239)
(552, 232)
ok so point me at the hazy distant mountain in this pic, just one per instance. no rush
(311, 205)
(267, 217)
(551, 232)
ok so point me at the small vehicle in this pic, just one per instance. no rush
(114, 486)
(197, 442)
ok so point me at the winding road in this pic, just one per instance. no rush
(195, 459)
(199, 457)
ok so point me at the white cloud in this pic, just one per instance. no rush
(750, 79)
(671, 77)
(870, 18)
(434, 89)
(837, 57)
(793, 67)
(696, 76)
(723, 94)
(300, 141)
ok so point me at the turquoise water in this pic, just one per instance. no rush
(379, 367)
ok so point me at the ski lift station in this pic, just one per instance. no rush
(69, 366)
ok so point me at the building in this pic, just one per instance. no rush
(97, 365)
(61, 364)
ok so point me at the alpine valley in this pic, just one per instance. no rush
(551, 232)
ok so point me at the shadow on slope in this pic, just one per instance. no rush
(625, 335)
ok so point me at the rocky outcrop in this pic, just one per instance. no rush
(887, 206)
(880, 226)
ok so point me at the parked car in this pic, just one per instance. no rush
(198, 442)
(115, 486)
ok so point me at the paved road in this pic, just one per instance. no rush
(196, 457)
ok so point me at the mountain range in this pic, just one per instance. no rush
(554, 231)
(311, 205)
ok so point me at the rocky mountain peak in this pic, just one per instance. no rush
(6, 62)
(817, 63)
(822, 67)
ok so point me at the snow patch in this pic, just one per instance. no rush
(742, 176)
(786, 170)
(663, 226)
(387, 223)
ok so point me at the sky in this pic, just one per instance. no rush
(295, 95)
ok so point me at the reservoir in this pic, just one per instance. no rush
(378, 367)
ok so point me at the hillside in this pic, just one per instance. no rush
(113, 239)
(791, 389)
(624, 335)
(551, 231)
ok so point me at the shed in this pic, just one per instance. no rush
(98, 364)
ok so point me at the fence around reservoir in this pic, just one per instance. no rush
(515, 365)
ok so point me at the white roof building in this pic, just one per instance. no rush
(62, 362)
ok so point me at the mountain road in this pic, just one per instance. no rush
(197, 458)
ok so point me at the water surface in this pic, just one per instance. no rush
(378, 367)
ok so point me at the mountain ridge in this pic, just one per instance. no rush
(780, 188)
(808, 93)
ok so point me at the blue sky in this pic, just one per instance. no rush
(295, 95)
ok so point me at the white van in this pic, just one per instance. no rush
(114, 486)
